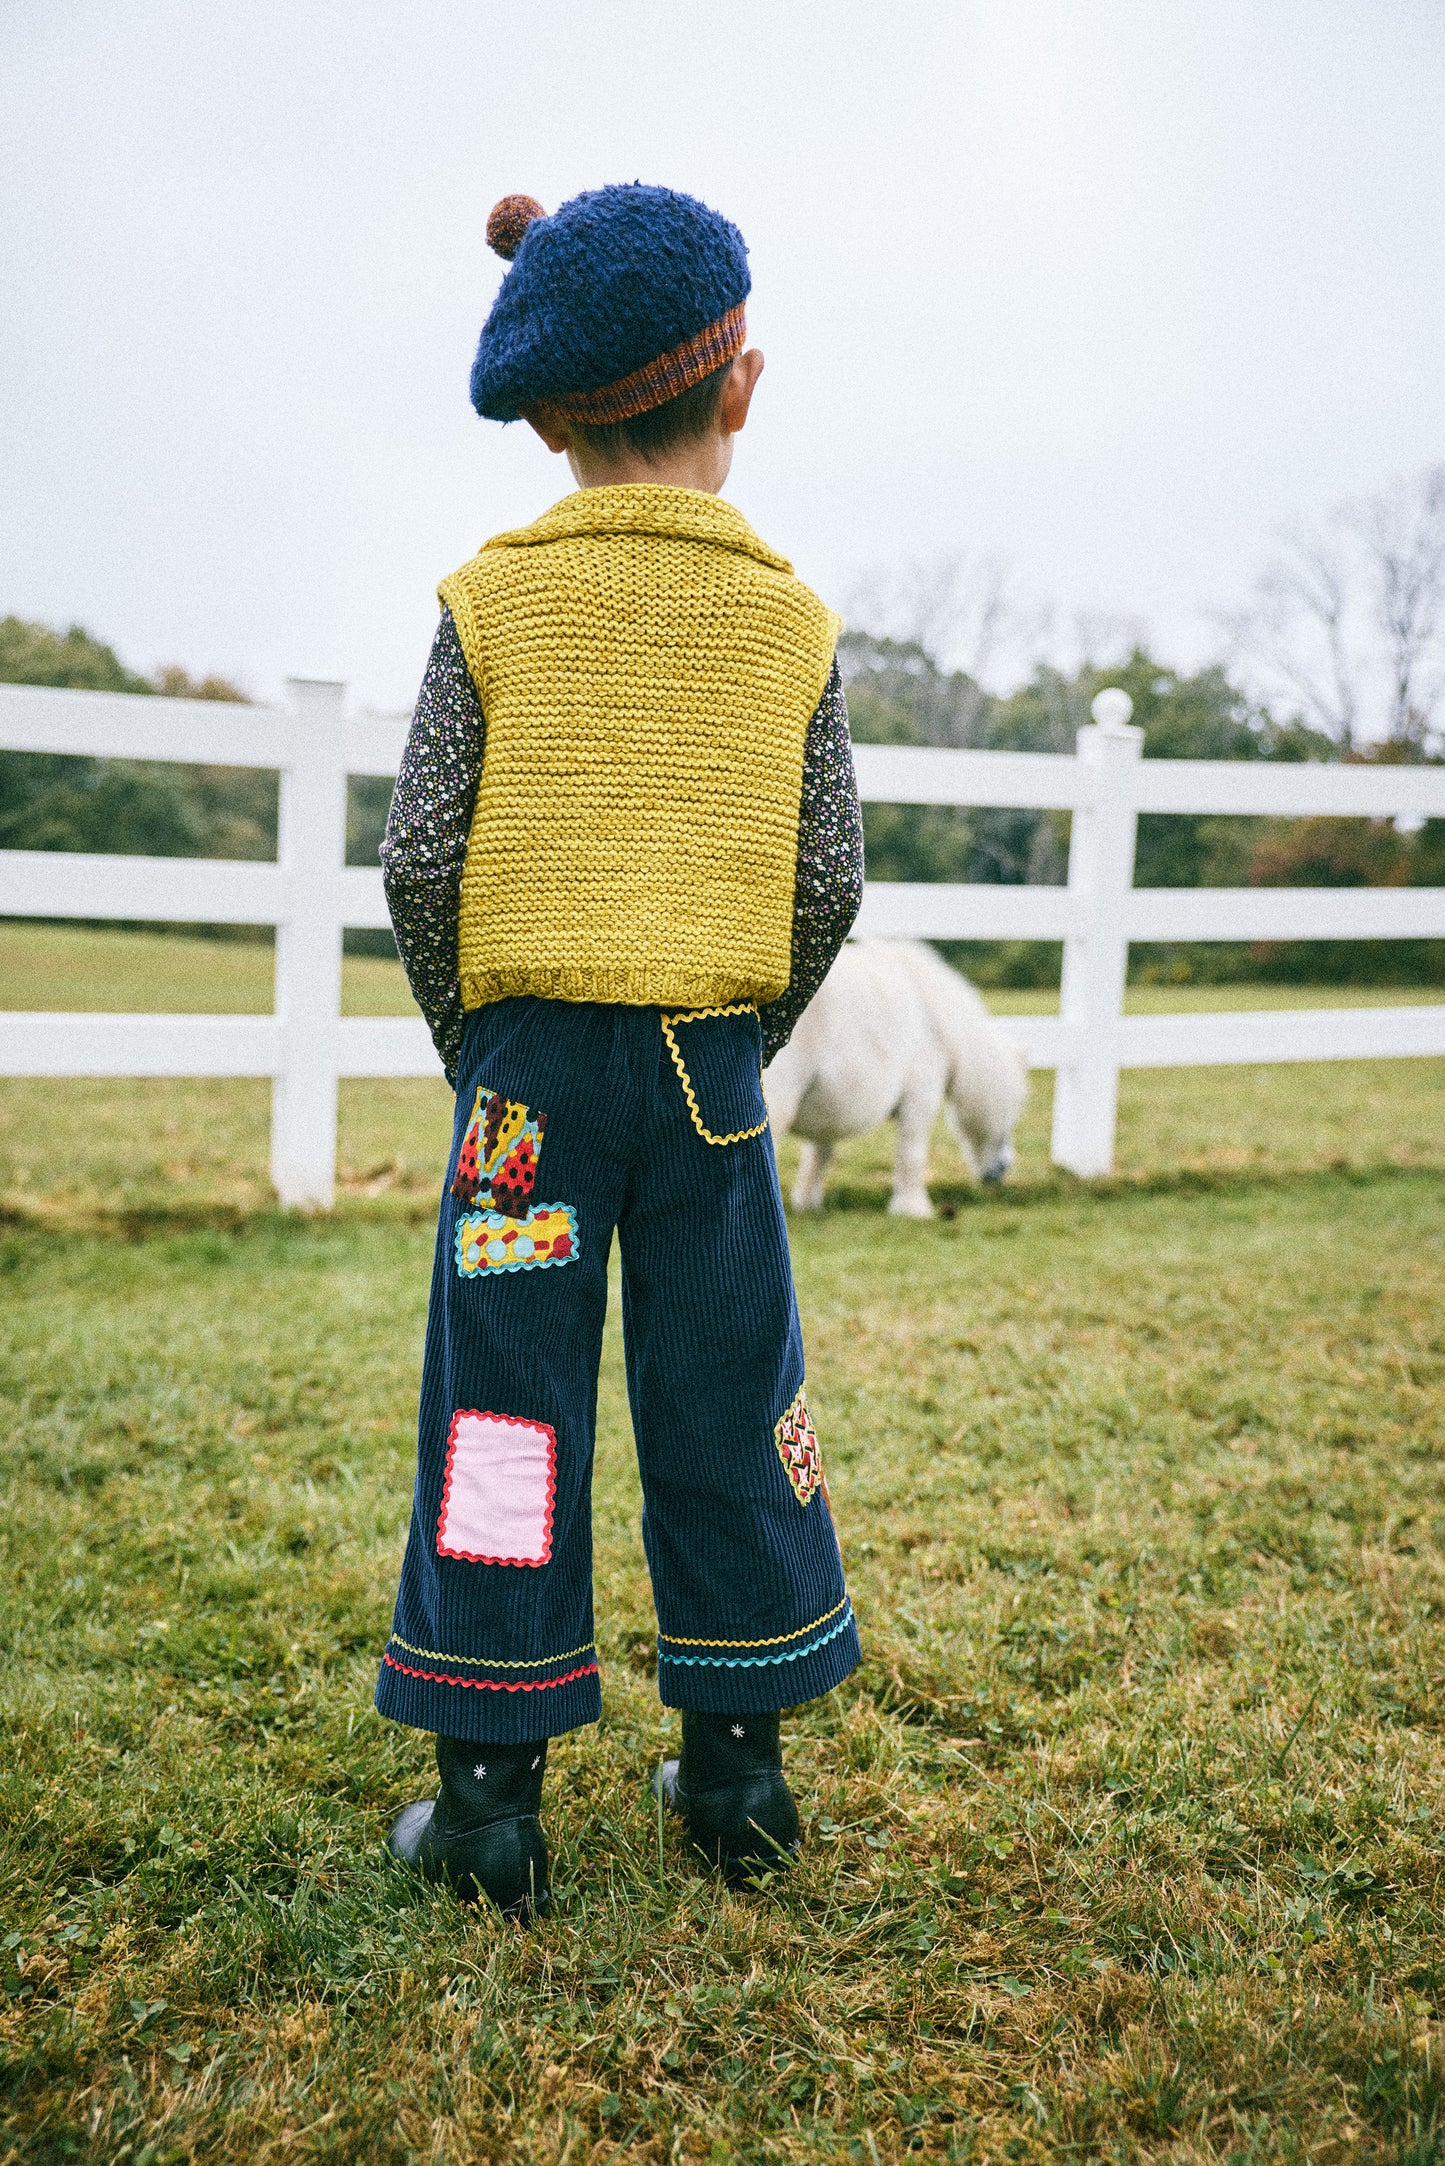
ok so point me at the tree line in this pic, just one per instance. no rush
(152, 808)
(899, 694)
(1337, 654)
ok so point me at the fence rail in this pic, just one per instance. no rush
(309, 894)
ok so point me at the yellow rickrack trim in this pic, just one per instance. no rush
(776, 1641)
(485, 1662)
(698, 1015)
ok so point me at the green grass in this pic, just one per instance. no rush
(120, 973)
(1124, 1843)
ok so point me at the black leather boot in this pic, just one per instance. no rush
(729, 1790)
(482, 1834)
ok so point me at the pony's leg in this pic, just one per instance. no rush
(917, 1112)
(967, 1149)
(812, 1165)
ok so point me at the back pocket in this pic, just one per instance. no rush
(718, 1055)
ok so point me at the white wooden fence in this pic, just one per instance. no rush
(309, 894)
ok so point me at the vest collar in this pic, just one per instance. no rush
(645, 508)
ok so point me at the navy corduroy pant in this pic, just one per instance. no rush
(575, 1120)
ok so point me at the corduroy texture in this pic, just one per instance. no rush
(648, 669)
(606, 284)
(747, 1581)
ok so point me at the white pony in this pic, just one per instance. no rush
(892, 1030)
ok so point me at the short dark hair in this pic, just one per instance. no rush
(676, 421)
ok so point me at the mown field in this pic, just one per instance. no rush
(1124, 1843)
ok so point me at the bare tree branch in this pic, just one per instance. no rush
(956, 607)
(1402, 534)
(1104, 638)
(1349, 627)
(1296, 632)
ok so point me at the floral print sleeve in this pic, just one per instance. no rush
(829, 881)
(426, 837)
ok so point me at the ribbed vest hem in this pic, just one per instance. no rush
(625, 985)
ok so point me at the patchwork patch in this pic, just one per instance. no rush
(501, 1478)
(497, 1163)
(495, 1241)
(497, 1171)
(798, 1448)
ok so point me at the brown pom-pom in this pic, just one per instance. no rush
(509, 221)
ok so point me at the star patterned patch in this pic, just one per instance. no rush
(797, 1442)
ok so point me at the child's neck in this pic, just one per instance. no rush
(702, 462)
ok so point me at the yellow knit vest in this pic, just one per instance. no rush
(647, 668)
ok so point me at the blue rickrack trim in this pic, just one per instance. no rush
(756, 1662)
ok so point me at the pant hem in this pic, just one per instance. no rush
(737, 1689)
(486, 1714)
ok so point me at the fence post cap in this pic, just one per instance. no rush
(1111, 708)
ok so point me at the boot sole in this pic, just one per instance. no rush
(742, 1851)
(504, 1861)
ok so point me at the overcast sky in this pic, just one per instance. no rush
(1107, 289)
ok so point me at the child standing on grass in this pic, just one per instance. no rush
(624, 848)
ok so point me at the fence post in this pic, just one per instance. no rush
(311, 850)
(1096, 950)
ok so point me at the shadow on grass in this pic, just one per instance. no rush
(163, 1218)
(951, 1198)
(135, 1222)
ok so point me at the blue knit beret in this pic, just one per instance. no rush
(616, 302)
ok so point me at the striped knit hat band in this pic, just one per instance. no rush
(663, 379)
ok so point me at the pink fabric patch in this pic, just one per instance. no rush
(501, 1477)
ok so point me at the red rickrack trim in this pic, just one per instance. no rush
(513, 1421)
(662, 379)
(490, 1684)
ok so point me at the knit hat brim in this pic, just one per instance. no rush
(665, 378)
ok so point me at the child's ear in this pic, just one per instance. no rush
(738, 391)
(550, 426)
